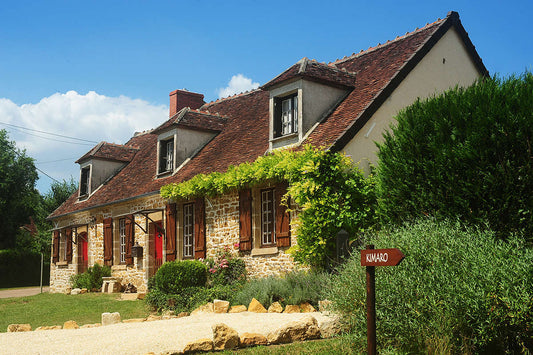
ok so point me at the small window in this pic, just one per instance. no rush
(62, 246)
(122, 239)
(286, 115)
(166, 155)
(85, 180)
(267, 217)
(188, 230)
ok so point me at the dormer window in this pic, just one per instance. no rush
(286, 115)
(85, 180)
(166, 155)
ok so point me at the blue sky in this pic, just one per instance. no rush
(101, 70)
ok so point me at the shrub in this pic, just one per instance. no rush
(92, 278)
(22, 268)
(293, 288)
(466, 154)
(174, 276)
(226, 268)
(458, 290)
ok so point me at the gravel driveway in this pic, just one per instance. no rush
(140, 338)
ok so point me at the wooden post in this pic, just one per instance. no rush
(371, 307)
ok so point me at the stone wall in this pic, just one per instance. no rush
(222, 231)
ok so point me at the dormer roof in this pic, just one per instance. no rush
(111, 152)
(315, 71)
(194, 119)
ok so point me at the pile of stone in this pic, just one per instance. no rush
(220, 306)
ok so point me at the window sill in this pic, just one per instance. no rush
(62, 263)
(118, 267)
(163, 174)
(287, 136)
(264, 251)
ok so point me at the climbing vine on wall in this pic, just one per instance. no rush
(330, 190)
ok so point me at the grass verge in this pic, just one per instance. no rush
(55, 309)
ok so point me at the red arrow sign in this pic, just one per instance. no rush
(381, 257)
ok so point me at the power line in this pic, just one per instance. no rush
(52, 134)
(51, 139)
(36, 168)
(54, 161)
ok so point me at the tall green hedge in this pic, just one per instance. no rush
(466, 153)
(22, 269)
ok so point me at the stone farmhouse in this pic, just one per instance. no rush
(118, 217)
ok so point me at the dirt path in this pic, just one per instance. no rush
(21, 292)
(140, 338)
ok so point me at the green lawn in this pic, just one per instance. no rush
(55, 309)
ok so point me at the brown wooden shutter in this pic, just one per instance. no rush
(245, 220)
(199, 228)
(68, 241)
(171, 231)
(130, 233)
(283, 228)
(108, 241)
(55, 247)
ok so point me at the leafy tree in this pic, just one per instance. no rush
(18, 195)
(466, 153)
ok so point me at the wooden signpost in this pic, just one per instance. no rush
(371, 258)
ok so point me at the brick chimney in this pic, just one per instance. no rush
(183, 98)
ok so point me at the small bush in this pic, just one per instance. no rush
(459, 290)
(293, 288)
(174, 276)
(226, 268)
(22, 268)
(92, 278)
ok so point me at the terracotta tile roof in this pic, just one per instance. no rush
(194, 119)
(313, 70)
(243, 122)
(109, 151)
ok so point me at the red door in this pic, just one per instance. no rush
(83, 252)
(156, 245)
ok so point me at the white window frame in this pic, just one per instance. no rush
(122, 239)
(188, 230)
(166, 152)
(87, 191)
(289, 115)
(268, 218)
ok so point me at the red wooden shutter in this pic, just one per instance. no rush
(245, 220)
(108, 241)
(283, 228)
(55, 247)
(68, 241)
(171, 231)
(130, 232)
(199, 228)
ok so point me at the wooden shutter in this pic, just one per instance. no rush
(283, 228)
(170, 232)
(245, 220)
(199, 228)
(108, 241)
(68, 241)
(55, 247)
(130, 233)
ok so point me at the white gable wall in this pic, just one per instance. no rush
(431, 75)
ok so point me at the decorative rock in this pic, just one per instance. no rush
(256, 306)
(206, 308)
(224, 337)
(220, 306)
(183, 314)
(129, 296)
(307, 308)
(292, 308)
(110, 318)
(198, 345)
(66, 291)
(141, 295)
(94, 325)
(75, 291)
(253, 339)
(134, 320)
(48, 327)
(70, 324)
(275, 307)
(324, 306)
(237, 309)
(83, 290)
(153, 317)
(305, 329)
(331, 328)
(18, 328)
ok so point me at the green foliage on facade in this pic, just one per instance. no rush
(458, 290)
(330, 190)
(92, 278)
(466, 153)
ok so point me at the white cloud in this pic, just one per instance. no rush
(238, 83)
(92, 117)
